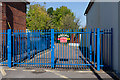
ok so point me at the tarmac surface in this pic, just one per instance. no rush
(33, 71)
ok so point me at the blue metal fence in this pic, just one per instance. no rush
(40, 48)
(27, 45)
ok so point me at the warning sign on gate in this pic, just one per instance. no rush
(63, 38)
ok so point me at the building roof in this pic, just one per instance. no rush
(89, 6)
(26, 1)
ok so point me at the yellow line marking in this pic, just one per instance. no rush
(84, 71)
(52, 71)
(11, 69)
(3, 72)
(62, 76)
(69, 71)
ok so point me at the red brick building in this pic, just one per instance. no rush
(13, 15)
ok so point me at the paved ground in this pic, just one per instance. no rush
(63, 53)
(19, 72)
(66, 55)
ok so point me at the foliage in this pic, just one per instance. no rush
(61, 18)
(69, 22)
(37, 17)
(50, 11)
(58, 15)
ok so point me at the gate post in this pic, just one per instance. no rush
(98, 49)
(28, 45)
(9, 48)
(52, 48)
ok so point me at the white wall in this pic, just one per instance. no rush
(93, 16)
(105, 16)
(119, 36)
(109, 19)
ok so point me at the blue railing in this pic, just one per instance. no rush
(40, 48)
(28, 44)
(3, 47)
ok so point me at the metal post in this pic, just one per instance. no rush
(9, 48)
(52, 48)
(111, 48)
(28, 44)
(98, 49)
(91, 46)
(101, 49)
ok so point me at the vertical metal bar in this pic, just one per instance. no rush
(68, 52)
(104, 47)
(111, 46)
(3, 48)
(81, 47)
(73, 48)
(44, 48)
(58, 52)
(91, 46)
(36, 47)
(15, 45)
(63, 51)
(28, 45)
(86, 48)
(39, 47)
(9, 48)
(32, 48)
(101, 48)
(78, 48)
(56, 46)
(107, 47)
(13, 48)
(20, 46)
(52, 48)
(94, 46)
(98, 49)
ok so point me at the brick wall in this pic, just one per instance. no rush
(15, 14)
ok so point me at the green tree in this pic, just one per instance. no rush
(37, 17)
(50, 11)
(60, 18)
(58, 14)
(69, 22)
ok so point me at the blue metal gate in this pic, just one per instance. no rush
(43, 48)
